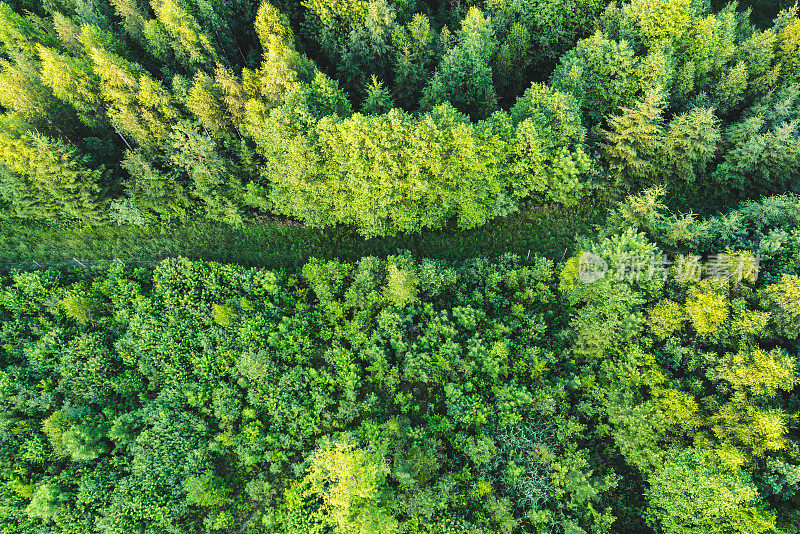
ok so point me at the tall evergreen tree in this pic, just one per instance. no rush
(139, 106)
(464, 77)
(56, 183)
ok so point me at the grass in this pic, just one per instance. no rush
(549, 231)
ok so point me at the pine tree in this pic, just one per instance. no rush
(366, 49)
(190, 43)
(205, 100)
(156, 193)
(57, 183)
(378, 100)
(74, 81)
(634, 140)
(215, 181)
(464, 77)
(690, 142)
(19, 36)
(282, 66)
(512, 60)
(138, 105)
(133, 17)
(601, 74)
(414, 50)
(789, 49)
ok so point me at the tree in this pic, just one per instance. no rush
(600, 73)
(205, 100)
(512, 59)
(73, 81)
(32, 103)
(707, 307)
(350, 481)
(658, 22)
(690, 143)
(464, 77)
(215, 183)
(784, 305)
(415, 174)
(413, 47)
(55, 182)
(763, 152)
(133, 17)
(282, 66)
(379, 99)
(633, 141)
(690, 493)
(339, 16)
(44, 503)
(153, 191)
(19, 36)
(186, 37)
(138, 105)
(548, 155)
(789, 46)
(366, 49)
(534, 34)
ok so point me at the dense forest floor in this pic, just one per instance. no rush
(549, 231)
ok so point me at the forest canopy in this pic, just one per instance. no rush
(403, 395)
(645, 380)
(390, 117)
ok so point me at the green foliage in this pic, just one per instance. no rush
(707, 308)
(44, 503)
(205, 491)
(378, 100)
(600, 74)
(214, 181)
(634, 139)
(788, 46)
(692, 494)
(223, 315)
(534, 33)
(428, 392)
(50, 179)
(349, 481)
(182, 30)
(78, 308)
(784, 300)
(422, 173)
(414, 51)
(664, 92)
(376, 391)
(665, 318)
(73, 80)
(138, 104)
(464, 77)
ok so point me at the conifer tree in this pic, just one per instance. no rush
(74, 81)
(133, 17)
(205, 100)
(634, 140)
(191, 45)
(57, 184)
(414, 51)
(139, 106)
(378, 100)
(464, 77)
(214, 181)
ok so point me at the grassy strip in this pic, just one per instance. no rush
(549, 231)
